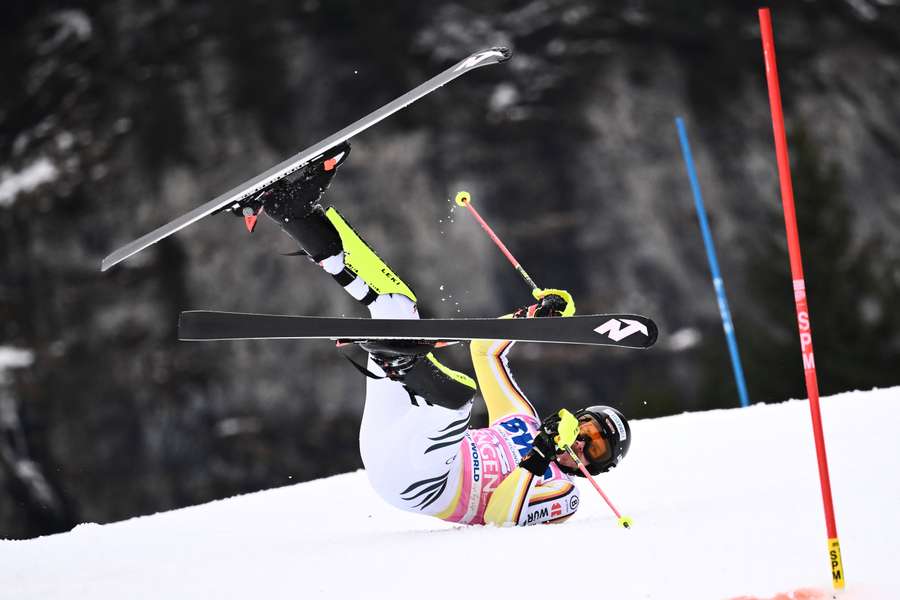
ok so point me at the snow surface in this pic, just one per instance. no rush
(726, 504)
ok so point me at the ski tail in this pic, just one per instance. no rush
(622, 330)
(255, 185)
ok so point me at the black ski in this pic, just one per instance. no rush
(234, 199)
(623, 330)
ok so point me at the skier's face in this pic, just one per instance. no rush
(565, 460)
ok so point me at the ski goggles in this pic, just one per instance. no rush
(596, 448)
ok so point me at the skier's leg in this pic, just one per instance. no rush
(412, 451)
(414, 427)
(332, 243)
(417, 414)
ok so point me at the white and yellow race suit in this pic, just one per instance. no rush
(419, 452)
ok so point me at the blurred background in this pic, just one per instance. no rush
(116, 117)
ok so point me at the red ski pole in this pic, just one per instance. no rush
(464, 199)
(623, 521)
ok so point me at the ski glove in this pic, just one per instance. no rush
(551, 303)
(543, 450)
(550, 441)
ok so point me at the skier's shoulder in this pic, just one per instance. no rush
(517, 422)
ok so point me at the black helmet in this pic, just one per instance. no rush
(607, 437)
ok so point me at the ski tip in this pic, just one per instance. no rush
(191, 326)
(653, 333)
(624, 330)
(108, 262)
(505, 53)
(491, 56)
(186, 320)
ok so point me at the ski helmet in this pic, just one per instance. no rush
(606, 436)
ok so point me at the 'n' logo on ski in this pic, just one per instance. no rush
(613, 329)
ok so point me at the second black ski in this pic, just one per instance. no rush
(623, 330)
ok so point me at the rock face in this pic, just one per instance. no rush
(116, 119)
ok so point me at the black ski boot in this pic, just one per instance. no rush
(396, 357)
(324, 234)
(411, 363)
(293, 202)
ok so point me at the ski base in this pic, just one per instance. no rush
(622, 330)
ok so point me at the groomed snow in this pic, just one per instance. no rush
(725, 504)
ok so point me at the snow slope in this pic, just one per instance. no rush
(725, 504)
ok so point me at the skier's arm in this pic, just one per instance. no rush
(506, 504)
(501, 393)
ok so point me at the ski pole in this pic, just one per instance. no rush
(623, 521)
(464, 199)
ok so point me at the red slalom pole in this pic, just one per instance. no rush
(464, 199)
(803, 321)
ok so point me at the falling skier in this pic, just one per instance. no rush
(415, 441)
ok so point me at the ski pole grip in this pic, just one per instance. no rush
(463, 198)
(568, 430)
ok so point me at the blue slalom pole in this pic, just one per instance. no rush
(713, 264)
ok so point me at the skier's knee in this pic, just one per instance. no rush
(393, 306)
